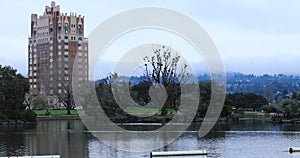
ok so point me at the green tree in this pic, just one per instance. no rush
(205, 95)
(106, 97)
(248, 100)
(254, 101)
(291, 107)
(140, 92)
(295, 96)
(236, 100)
(13, 88)
(269, 108)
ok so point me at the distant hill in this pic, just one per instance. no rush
(279, 86)
(238, 82)
(275, 87)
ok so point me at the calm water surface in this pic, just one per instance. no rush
(248, 138)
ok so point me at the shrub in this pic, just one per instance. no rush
(17, 115)
(47, 113)
(153, 119)
(3, 116)
(268, 108)
(29, 115)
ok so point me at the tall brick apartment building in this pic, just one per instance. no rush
(55, 40)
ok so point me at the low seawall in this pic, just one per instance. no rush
(48, 118)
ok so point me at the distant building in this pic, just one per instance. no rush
(55, 40)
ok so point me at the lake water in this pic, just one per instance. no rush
(248, 138)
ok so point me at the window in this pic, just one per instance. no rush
(79, 29)
(59, 28)
(80, 38)
(51, 29)
(66, 27)
(66, 37)
(34, 31)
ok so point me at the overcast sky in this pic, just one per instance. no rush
(252, 36)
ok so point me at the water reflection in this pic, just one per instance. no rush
(248, 138)
(60, 137)
(13, 140)
(46, 138)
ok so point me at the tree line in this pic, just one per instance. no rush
(162, 69)
(140, 94)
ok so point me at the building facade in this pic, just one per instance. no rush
(57, 52)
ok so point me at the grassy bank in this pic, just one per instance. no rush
(55, 112)
(152, 111)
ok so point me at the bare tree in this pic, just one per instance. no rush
(28, 100)
(40, 102)
(163, 68)
(268, 94)
(66, 98)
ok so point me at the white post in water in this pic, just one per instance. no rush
(294, 150)
(178, 153)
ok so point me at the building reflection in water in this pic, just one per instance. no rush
(65, 138)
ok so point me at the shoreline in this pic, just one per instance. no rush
(117, 120)
(15, 122)
(64, 117)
